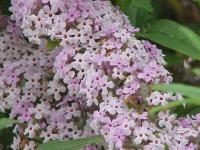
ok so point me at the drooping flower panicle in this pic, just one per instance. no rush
(97, 80)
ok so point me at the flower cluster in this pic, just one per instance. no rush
(32, 95)
(97, 81)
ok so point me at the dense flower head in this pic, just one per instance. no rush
(96, 81)
(33, 96)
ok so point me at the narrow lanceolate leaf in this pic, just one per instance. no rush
(196, 71)
(185, 110)
(173, 36)
(70, 144)
(174, 104)
(6, 122)
(190, 91)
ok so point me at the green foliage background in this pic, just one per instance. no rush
(175, 28)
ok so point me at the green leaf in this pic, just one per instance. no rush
(194, 26)
(166, 147)
(123, 4)
(6, 140)
(194, 111)
(173, 104)
(70, 144)
(196, 71)
(52, 44)
(173, 59)
(190, 91)
(3, 115)
(173, 36)
(197, 1)
(189, 109)
(6, 122)
(138, 11)
(4, 7)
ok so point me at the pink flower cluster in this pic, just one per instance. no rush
(97, 81)
(31, 95)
